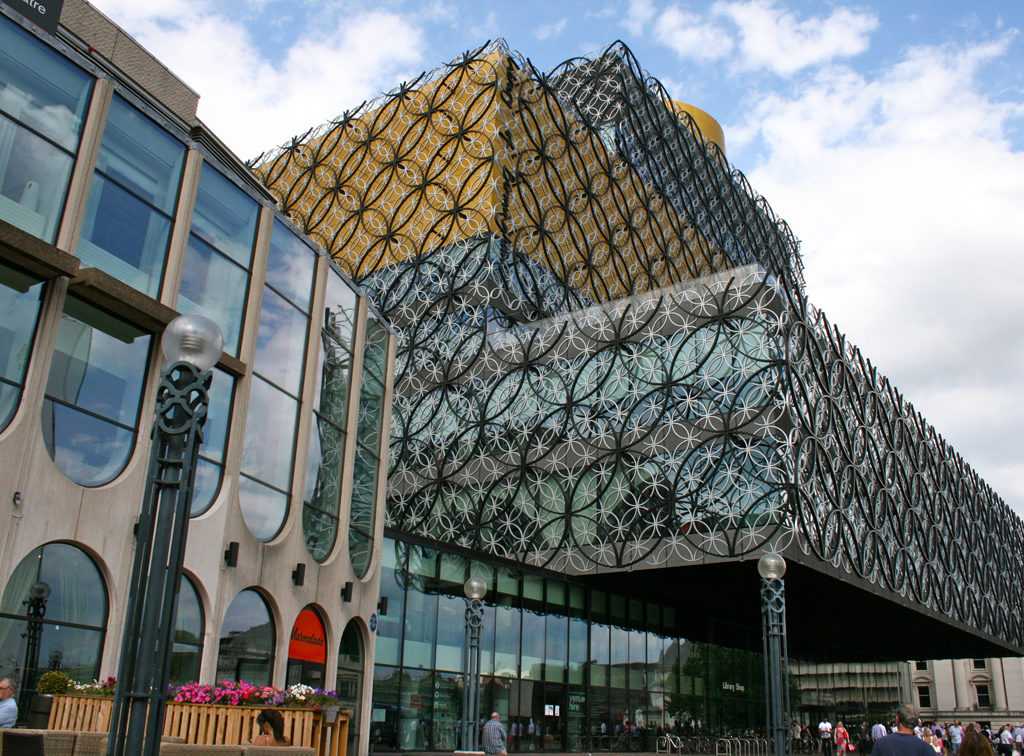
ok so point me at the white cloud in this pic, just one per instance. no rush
(638, 15)
(329, 68)
(907, 193)
(489, 29)
(690, 37)
(551, 31)
(773, 38)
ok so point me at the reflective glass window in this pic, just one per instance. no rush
(91, 411)
(267, 455)
(187, 651)
(53, 615)
(247, 638)
(391, 607)
(290, 266)
(281, 342)
(134, 192)
(215, 280)
(225, 216)
(330, 400)
(263, 508)
(210, 468)
(214, 286)
(20, 295)
(368, 446)
(43, 99)
(269, 435)
(349, 684)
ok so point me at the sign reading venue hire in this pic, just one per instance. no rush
(42, 13)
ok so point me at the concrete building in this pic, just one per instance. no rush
(118, 210)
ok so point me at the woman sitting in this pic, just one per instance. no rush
(271, 725)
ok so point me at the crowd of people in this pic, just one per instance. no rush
(940, 739)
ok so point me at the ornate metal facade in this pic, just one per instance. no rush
(606, 356)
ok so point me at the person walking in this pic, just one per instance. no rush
(841, 737)
(825, 735)
(494, 736)
(956, 737)
(903, 742)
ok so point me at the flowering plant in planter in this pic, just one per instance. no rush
(230, 693)
(95, 688)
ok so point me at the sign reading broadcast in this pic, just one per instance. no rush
(43, 13)
(307, 642)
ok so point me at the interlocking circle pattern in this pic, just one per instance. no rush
(606, 354)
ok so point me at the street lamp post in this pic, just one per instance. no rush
(772, 567)
(475, 589)
(191, 345)
(35, 610)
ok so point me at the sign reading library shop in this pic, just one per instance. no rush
(307, 642)
(43, 13)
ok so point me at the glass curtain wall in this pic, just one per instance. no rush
(567, 667)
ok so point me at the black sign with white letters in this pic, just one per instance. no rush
(43, 13)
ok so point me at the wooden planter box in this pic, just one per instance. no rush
(209, 724)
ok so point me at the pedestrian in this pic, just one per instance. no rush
(825, 735)
(956, 737)
(841, 737)
(8, 706)
(903, 742)
(494, 736)
(1005, 741)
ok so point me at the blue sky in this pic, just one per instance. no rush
(890, 135)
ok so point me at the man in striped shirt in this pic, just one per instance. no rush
(494, 735)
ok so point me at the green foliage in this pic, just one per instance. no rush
(53, 682)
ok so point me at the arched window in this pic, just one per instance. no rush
(268, 450)
(368, 447)
(307, 650)
(91, 410)
(349, 685)
(321, 499)
(187, 653)
(247, 640)
(53, 615)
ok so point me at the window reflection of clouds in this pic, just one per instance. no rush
(98, 366)
(46, 91)
(269, 435)
(19, 311)
(225, 216)
(89, 451)
(211, 451)
(281, 343)
(213, 286)
(290, 266)
(263, 508)
(96, 371)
